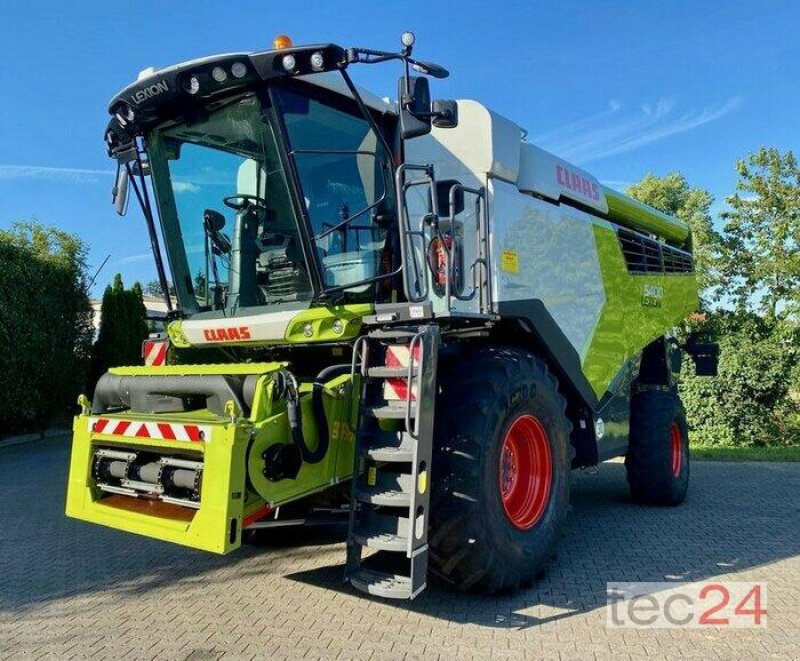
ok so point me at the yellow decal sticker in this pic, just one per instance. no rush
(509, 261)
(372, 476)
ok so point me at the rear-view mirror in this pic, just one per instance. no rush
(704, 354)
(445, 114)
(120, 192)
(415, 107)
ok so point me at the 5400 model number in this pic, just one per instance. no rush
(652, 296)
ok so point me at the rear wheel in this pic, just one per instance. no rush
(501, 467)
(657, 462)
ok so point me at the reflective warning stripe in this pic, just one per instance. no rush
(161, 431)
(399, 356)
(155, 352)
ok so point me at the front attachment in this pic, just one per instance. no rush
(162, 477)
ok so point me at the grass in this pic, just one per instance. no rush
(717, 453)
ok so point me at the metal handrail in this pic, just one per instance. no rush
(357, 347)
(419, 294)
(452, 254)
(418, 291)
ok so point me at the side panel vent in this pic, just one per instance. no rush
(645, 255)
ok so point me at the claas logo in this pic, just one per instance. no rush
(236, 334)
(575, 182)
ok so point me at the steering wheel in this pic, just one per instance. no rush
(242, 202)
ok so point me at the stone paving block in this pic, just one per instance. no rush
(74, 590)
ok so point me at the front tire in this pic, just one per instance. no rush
(501, 470)
(657, 463)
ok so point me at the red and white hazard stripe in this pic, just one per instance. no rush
(397, 387)
(154, 352)
(161, 431)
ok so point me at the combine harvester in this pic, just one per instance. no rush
(411, 315)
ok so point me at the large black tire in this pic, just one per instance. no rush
(657, 462)
(473, 543)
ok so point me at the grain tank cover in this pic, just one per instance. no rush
(628, 211)
(487, 144)
(545, 174)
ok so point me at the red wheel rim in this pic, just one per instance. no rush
(526, 472)
(677, 449)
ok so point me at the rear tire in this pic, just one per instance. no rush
(501, 470)
(657, 462)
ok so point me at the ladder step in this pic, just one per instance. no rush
(380, 584)
(402, 451)
(391, 372)
(390, 489)
(382, 531)
(386, 411)
(387, 542)
(399, 334)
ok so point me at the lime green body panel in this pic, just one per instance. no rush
(333, 323)
(321, 323)
(177, 336)
(638, 309)
(181, 370)
(233, 484)
(223, 497)
(337, 465)
(631, 212)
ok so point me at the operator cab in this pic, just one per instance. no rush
(231, 186)
(274, 178)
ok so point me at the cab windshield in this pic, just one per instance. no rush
(236, 237)
(344, 174)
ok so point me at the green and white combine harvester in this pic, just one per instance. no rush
(412, 317)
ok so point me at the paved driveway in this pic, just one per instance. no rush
(69, 588)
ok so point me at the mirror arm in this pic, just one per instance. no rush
(144, 202)
(428, 115)
(369, 56)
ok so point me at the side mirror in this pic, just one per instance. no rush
(705, 355)
(119, 194)
(443, 189)
(415, 107)
(445, 114)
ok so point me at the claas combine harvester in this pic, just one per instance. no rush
(413, 318)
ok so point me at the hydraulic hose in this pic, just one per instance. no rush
(294, 414)
(323, 433)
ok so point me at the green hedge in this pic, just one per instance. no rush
(123, 328)
(751, 401)
(45, 325)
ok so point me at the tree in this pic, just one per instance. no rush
(761, 250)
(123, 328)
(153, 288)
(673, 195)
(752, 264)
(45, 324)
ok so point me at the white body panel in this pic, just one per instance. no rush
(271, 326)
(547, 252)
(486, 150)
(543, 173)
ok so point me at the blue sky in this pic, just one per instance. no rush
(620, 88)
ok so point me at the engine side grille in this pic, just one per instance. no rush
(645, 255)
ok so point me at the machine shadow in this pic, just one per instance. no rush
(723, 527)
